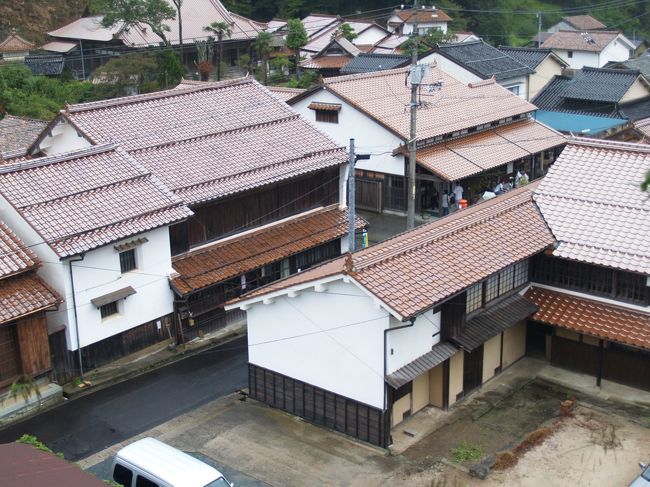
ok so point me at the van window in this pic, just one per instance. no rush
(144, 482)
(122, 475)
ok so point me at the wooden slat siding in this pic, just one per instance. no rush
(319, 406)
(125, 343)
(368, 194)
(574, 355)
(34, 346)
(64, 362)
(9, 356)
(453, 316)
(255, 208)
(627, 366)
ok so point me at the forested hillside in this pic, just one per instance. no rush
(499, 21)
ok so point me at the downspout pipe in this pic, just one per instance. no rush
(401, 327)
(74, 310)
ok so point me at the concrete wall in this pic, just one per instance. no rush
(491, 357)
(514, 343)
(370, 136)
(332, 339)
(435, 385)
(456, 364)
(420, 392)
(544, 73)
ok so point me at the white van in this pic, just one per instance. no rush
(151, 463)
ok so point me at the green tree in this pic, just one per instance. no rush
(170, 69)
(129, 13)
(296, 38)
(289, 9)
(220, 30)
(263, 47)
(241, 7)
(645, 185)
(428, 41)
(348, 32)
(124, 75)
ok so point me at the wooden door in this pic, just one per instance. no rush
(473, 370)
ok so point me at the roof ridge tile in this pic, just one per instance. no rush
(57, 158)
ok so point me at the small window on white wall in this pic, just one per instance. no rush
(569, 54)
(513, 89)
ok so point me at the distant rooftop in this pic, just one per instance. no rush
(580, 41)
(584, 22)
(366, 63)
(528, 56)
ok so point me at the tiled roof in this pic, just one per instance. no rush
(580, 41)
(46, 65)
(23, 295)
(384, 96)
(285, 93)
(367, 63)
(437, 355)
(641, 64)
(390, 44)
(224, 137)
(599, 84)
(243, 253)
(643, 126)
(326, 62)
(589, 91)
(18, 132)
(485, 60)
(424, 16)
(492, 321)
(321, 29)
(14, 255)
(528, 56)
(479, 152)
(15, 43)
(584, 22)
(417, 269)
(59, 46)
(635, 110)
(196, 15)
(592, 201)
(81, 200)
(590, 317)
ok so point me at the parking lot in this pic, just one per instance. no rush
(599, 444)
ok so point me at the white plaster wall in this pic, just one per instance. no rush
(370, 137)
(617, 51)
(451, 68)
(521, 81)
(406, 344)
(64, 138)
(408, 28)
(99, 274)
(324, 339)
(579, 59)
(637, 91)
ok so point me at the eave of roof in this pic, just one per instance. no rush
(25, 294)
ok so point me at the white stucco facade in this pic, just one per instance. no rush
(331, 339)
(64, 137)
(407, 344)
(370, 136)
(616, 51)
(97, 275)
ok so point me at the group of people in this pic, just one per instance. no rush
(452, 199)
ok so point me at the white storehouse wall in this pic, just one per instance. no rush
(407, 344)
(64, 138)
(370, 137)
(331, 339)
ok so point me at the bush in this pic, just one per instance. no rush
(36, 443)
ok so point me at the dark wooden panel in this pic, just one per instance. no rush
(472, 370)
(453, 316)
(64, 362)
(33, 344)
(9, 357)
(320, 406)
(574, 355)
(627, 366)
(368, 194)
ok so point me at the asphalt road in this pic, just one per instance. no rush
(91, 423)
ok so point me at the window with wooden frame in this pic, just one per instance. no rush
(327, 116)
(109, 309)
(474, 298)
(521, 273)
(127, 261)
(491, 287)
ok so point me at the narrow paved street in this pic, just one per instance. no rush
(86, 425)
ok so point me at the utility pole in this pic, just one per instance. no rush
(539, 29)
(352, 239)
(83, 64)
(410, 214)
